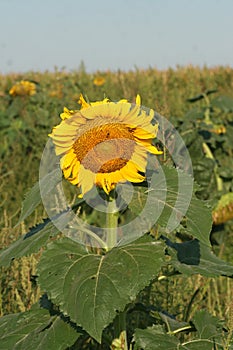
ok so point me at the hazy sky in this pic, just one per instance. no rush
(120, 34)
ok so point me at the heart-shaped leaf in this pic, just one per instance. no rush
(91, 289)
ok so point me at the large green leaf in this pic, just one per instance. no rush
(30, 243)
(153, 339)
(195, 257)
(33, 197)
(92, 288)
(225, 103)
(35, 330)
(208, 334)
(207, 326)
(171, 199)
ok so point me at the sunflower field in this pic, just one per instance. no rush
(117, 209)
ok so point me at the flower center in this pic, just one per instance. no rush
(105, 148)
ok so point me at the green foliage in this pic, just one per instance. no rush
(98, 297)
(195, 257)
(224, 103)
(153, 338)
(36, 329)
(173, 205)
(93, 288)
(31, 243)
(207, 332)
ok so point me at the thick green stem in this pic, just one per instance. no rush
(111, 241)
(111, 224)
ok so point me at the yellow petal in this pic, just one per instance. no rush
(130, 173)
(143, 134)
(128, 129)
(138, 100)
(82, 102)
(66, 113)
(86, 179)
(67, 160)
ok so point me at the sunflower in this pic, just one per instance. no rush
(99, 81)
(23, 88)
(104, 143)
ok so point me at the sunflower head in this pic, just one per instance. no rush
(104, 143)
(23, 88)
(99, 81)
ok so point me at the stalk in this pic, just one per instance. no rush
(111, 224)
(111, 241)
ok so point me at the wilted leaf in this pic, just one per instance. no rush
(195, 257)
(91, 288)
(201, 96)
(29, 243)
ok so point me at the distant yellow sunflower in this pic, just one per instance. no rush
(104, 143)
(23, 88)
(99, 81)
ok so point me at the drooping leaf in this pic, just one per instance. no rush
(169, 202)
(29, 243)
(91, 288)
(35, 329)
(201, 96)
(39, 235)
(33, 197)
(195, 257)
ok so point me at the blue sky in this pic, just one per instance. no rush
(104, 34)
